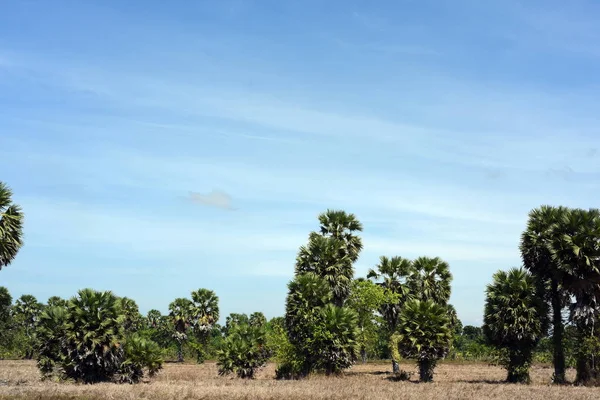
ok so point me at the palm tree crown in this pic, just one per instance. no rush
(11, 227)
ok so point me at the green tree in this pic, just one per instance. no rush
(343, 226)
(366, 299)
(515, 319)
(392, 274)
(27, 311)
(132, 321)
(205, 314)
(244, 351)
(334, 339)
(153, 317)
(85, 341)
(6, 333)
(425, 334)
(11, 227)
(536, 253)
(93, 335)
(257, 319)
(232, 320)
(55, 301)
(180, 313)
(430, 279)
(575, 248)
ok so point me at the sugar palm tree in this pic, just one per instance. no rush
(515, 318)
(327, 258)
(153, 317)
(94, 336)
(430, 279)
(336, 339)
(11, 227)
(205, 309)
(575, 248)
(392, 274)
(180, 311)
(424, 333)
(343, 226)
(27, 312)
(536, 253)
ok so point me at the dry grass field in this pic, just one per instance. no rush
(20, 380)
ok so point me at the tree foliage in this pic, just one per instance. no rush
(11, 227)
(515, 319)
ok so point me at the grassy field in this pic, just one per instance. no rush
(20, 380)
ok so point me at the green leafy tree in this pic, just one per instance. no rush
(244, 351)
(180, 312)
(515, 319)
(366, 299)
(425, 334)
(140, 355)
(536, 253)
(27, 311)
(11, 227)
(52, 351)
(392, 274)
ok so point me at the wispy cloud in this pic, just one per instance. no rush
(215, 198)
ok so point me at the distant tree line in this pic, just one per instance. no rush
(545, 311)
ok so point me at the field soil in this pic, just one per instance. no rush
(20, 380)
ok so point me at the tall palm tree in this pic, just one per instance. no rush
(180, 311)
(536, 253)
(206, 309)
(430, 279)
(575, 248)
(327, 257)
(515, 318)
(343, 226)
(11, 227)
(392, 274)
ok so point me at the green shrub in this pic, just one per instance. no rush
(85, 342)
(244, 351)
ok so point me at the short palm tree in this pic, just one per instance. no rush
(515, 319)
(11, 227)
(424, 333)
(244, 351)
(335, 340)
(536, 253)
(392, 274)
(94, 335)
(430, 279)
(131, 312)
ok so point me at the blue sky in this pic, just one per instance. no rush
(159, 147)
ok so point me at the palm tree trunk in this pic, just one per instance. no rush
(395, 367)
(180, 352)
(557, 336)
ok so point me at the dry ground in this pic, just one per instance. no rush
(20, 380)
